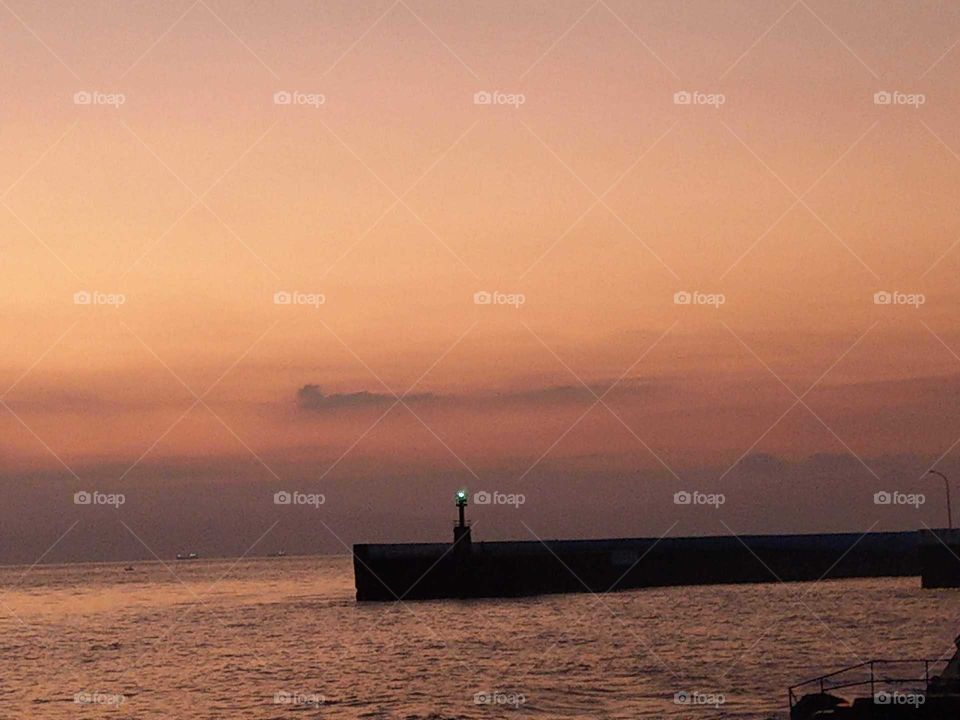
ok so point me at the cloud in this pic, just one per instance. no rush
(579, 394)
(311, 397)
(554, 395)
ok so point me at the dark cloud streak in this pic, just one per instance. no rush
(312, 398)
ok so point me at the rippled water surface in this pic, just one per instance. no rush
(221, 638)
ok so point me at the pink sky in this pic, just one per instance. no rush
(595, 197)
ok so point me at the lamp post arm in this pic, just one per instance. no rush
(946, 485)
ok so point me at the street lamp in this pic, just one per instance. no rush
(946, 484)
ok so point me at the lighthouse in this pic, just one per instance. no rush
(461, 531)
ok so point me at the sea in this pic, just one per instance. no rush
(284, 638)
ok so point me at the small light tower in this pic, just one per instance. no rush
(461, 531)
(461, 504)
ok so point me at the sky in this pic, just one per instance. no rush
(590, 253)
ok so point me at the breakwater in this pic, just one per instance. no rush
(466, 569)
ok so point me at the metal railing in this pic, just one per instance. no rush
(877, 674)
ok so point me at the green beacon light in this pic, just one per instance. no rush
(461, 497)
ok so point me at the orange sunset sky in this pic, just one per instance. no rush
(147, 158)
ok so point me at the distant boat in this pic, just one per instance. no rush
(278, 553)
(187, 556)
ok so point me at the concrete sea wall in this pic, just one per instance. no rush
(513, 569)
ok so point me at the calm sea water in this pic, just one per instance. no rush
(283, 638)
